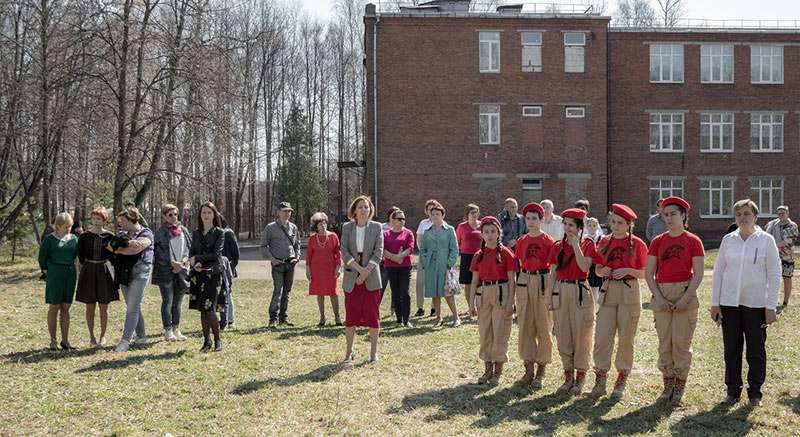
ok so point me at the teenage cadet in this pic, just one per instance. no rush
(571, 299)
(534, 320)
(674, 272)
(494, 268)
(623, 257)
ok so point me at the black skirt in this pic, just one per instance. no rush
(464, 273)
(96, 285)
(205, 292)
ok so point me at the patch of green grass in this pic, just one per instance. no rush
(290, 381)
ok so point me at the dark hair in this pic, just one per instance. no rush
(391, 212)
(222, 221)
(560, 258)
(498, 258)
(471, 207)
(131, 214)
(685, 215)
(208, 204)
(395, 212)
(582, 204)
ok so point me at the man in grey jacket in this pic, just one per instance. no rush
(280, 244)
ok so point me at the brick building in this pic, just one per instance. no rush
(477, 107)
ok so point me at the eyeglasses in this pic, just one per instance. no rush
(400, 219)
(172, 214)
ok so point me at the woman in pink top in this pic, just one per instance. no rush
(323, 265)
(398, 244)
(468, 234)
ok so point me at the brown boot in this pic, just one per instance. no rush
(600, 379)
(619, 386)
(677, 392)
(538, 380)
(569, 379)
(495, 379)
(669, 385)
(580, 379)
(487, 373)
(527, 378)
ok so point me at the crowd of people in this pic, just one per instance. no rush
(564, 275)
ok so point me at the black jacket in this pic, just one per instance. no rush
(207, 249)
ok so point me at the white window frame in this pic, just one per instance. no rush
(773, 123)
(488, 40)
(774, 56)
(535, 52)
(717, 123)
(713, 189)
(761, 186)
(669, 55)
(675, 119)
(716, 59)
(532, 111)
(664, 186)
(577, 111)
(575, 53)
(533, 184)
(489, 112)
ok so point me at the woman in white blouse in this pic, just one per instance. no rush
(747, 277)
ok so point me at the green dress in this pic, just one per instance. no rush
(58, 258)
(439, 253)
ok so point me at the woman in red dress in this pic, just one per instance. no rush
(323, 265)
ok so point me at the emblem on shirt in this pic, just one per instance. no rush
(616, 254)
(532, 251)
(673, 251)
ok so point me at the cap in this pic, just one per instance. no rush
(285, 205)
(491, 219)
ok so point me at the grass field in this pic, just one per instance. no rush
(290, 381)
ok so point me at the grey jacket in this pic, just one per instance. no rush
(373, 251)
(162, 262)
(274, 243)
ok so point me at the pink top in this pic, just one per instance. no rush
(396, 242)
(469, 240)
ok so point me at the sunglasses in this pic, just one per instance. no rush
(400, 219)
(172, 214)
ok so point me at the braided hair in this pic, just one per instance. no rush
(560, 258)
(500, 247)
(606, 242)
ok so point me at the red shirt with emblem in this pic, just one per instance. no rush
(571, 271)
(488, 269)
(615, 253)
(675, 255)
(533, 252)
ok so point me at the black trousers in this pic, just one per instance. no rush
(399, 281)
(739, 325)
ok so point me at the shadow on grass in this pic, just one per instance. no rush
(720, 420)
(130, 361)
(319, 374)
(40, 355)
(323, 332)
(793, 403)
(644, 420)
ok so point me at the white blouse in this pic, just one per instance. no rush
(361, 233)
(747, 272)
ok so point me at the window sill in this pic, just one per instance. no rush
(766, 83)
(766, 151)
(716, 216)
(489, 72)
(489, 144)
(713, 82)
(666, 151)
(667, 82)
(716, 151)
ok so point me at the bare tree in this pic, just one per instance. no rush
(671, 11)
(635, 13)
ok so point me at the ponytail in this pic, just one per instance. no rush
(630, 241)
(560, 257)
(480, 253)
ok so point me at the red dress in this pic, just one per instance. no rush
(322, 257)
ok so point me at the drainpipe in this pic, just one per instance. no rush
(375, 104)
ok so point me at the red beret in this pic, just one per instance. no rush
(491, 219)
(574, 213)
(623, 211)
(533, 206)
(675, 200)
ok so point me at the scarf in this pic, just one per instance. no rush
(174, 230)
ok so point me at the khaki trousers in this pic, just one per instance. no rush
(574, 323)
(620, 309)
(675, 331)
(534, 319)
(494, 325)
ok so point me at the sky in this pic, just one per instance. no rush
(709, 9)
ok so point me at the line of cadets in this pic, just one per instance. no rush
(547, 281)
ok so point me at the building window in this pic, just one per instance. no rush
(766, 132)
(766, 64)
(666, 132)
(576, 112)
(767, 192)
(716, 196)
(574, 45)
(490, 124)
(531, 51)
(663, 187)
(531, 190)
(716, 63)
(666, 63)
(531, 111)
(489, 48)
(716, 132)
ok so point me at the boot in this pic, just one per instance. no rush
(495, 379)
(206, 345)
(677, 391)
(569, 379)
(601, 377)
(619, 386)
(487, 373)
(580, 379)
(669, 385)
(527, 378)
(538, 380)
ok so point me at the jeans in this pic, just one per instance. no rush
(282, 278)
(399, 279)
(742, 325)
(133, 293)
(171, 299)
(228, 317)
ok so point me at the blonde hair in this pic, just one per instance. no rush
(745, 203)
(351, 213)
(318, 218)
(62, 219)
(101, 212)
(167, 208)
(131, 214)
(591, 220)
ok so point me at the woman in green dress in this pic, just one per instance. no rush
(439, 254)
(57, 259)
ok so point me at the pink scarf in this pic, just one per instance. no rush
(174, 230)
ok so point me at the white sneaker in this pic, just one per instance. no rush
(169, 335)
(140, 341)
(178, 335)
(123, 346)
(231, 327)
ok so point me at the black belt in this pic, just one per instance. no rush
(541, 273)
(581, 283)
(484, 283)
(624, 281)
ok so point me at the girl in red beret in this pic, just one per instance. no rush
(674, 272)
(494, 271)
(571, 299)
(623, 257)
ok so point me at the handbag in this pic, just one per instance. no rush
(451, 285)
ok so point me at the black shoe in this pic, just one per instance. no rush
(217, 345)
(339, 324)
(433, 312)
(285, 322)
(67, 347)
(206, 346)
(420, 312)
(756, 402)
(730, 400)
